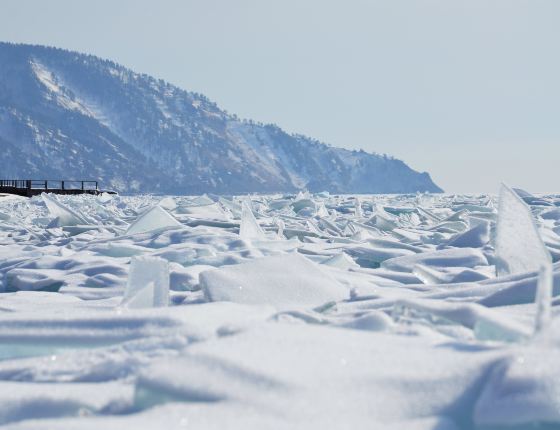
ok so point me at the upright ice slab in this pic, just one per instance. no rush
(65, 215)
(543, 298)
(250, 228)
(281, 226)
(384, 220)
(358, 208)
(231, 206)
(519, 246)
(153, 219)
(322, 211)
(148, 283)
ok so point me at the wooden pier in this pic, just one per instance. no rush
(33, 187)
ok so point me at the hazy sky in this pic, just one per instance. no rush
(466, 90)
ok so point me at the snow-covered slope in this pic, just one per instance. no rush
(70, 115)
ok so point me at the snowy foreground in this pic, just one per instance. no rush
(293, 312)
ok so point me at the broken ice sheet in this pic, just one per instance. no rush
(543, 298)
(64, 215)
(519, 246)
(446, 345)
(250, 228)
(168, 203)
(281, 227)
(358, 208)
(153, 219)
(384, 220)
(322, 211)
(231, 206)
(211, 211)
(148, 283)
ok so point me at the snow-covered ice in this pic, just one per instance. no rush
(288, 281)
(280, 311)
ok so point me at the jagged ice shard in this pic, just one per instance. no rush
(322, 211)
(543, 298)
(148, 283)
(65, 215)
(519, 246)
(250, 228)
(358, 208)
(153, 219)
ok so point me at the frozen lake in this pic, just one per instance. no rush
(280, 311)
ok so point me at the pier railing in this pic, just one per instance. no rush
(31, 187)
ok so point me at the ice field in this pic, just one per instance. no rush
(280, 312)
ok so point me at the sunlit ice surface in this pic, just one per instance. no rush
(420, 311)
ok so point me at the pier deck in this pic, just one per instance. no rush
(33, 187)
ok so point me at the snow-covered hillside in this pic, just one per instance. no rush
(69, 115)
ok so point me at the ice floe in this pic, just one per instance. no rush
(293, 311)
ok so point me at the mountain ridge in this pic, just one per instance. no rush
(63, 113)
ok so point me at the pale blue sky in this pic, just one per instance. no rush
(466, 90)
